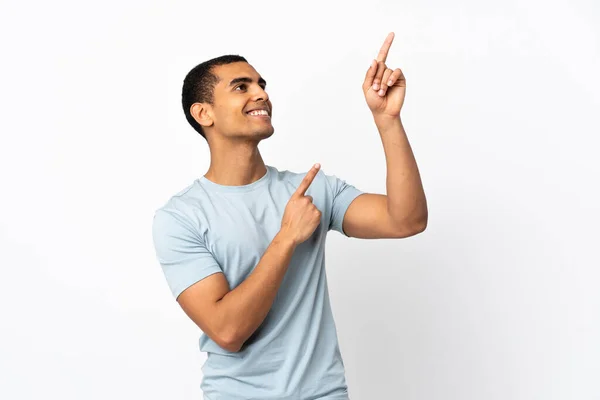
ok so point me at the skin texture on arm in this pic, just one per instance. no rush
(229, 317)
(368, 217)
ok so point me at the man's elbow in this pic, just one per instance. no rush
(422, 225)
(230, 344)
(419, 226)
(231, 347)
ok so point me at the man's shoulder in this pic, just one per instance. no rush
(182, 200)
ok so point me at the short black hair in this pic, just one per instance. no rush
(199, 85)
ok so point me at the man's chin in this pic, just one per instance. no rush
(266, 130)
(259, 134)
(265, 133)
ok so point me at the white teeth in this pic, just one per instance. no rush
(259, 112)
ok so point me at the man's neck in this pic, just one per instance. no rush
(236, 167)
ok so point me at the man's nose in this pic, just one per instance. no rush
(260, 94)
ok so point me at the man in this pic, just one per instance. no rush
(242, 248)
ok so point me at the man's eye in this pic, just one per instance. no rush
(243, 86)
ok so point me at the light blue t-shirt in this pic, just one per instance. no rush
(209, 228)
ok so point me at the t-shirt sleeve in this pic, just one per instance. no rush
(181, 252)
(342, 195)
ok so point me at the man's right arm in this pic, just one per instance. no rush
(229, 317)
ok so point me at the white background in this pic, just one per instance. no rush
(498, 299)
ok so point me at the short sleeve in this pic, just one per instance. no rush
(180, 251)
(342, 195)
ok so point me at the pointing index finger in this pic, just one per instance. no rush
(386, 47)
(310, 175)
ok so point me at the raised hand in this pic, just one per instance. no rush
(301, 217)
(383, 87)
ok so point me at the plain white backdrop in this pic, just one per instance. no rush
(498, 299)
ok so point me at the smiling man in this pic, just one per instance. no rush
(243, 247)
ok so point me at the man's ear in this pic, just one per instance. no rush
(202, 113)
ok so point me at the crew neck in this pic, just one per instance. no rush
(237, 188)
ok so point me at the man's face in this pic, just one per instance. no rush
(240, 103)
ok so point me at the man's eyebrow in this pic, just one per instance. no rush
(245, 79)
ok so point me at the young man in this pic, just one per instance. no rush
(242, 248)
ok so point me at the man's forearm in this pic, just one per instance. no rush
(245, 307)
(406, 198)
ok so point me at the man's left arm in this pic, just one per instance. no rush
(402, 212)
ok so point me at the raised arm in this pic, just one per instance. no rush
(402, 211)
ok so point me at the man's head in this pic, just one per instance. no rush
(219, 97)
